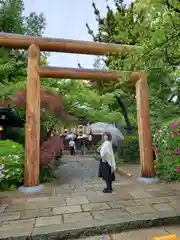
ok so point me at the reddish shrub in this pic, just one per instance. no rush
(48, 100)
(49, 150)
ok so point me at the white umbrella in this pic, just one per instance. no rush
(100, 128)
(70, 136)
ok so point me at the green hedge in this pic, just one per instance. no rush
(130, 149)
(17, 134)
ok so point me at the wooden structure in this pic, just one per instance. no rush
(35, 71)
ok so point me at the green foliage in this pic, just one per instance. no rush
(10, 148)
(11, 164)
(49, 123)
(130, 147)
(13, 63)
(81, 100)
(46, 175)
(16, 134)
(166, 145)
(98, 145)
(96, 154)
(116, 158)
(153, 25)
(166, 168)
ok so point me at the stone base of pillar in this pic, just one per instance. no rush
(148, 180)
(34, 189)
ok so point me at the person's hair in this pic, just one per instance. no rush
(108, 135)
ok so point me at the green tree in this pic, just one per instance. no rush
(13, 63)
(153, 25)
(81, 100)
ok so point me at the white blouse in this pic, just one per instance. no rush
(107, 155)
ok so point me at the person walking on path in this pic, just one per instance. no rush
(107, 166)
(72, 147)
(82, 146)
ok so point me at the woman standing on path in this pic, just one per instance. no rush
(107, 165)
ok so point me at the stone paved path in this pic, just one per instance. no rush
(79, 170)
(75, 201)
(133, 169)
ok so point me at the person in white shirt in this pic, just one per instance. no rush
(107, 165)
(72, 147)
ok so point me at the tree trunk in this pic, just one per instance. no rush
(125, 115)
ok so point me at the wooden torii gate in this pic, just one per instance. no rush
(37, 44)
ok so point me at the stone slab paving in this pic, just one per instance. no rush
(74, 205)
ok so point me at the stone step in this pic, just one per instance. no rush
(54, 229)
(154, 233)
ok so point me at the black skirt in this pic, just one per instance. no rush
(105, 172)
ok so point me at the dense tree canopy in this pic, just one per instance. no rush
(79, 98)
(13, 63)
(153, 25)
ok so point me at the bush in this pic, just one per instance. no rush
(116, 157)
(16, 134)
(51, 151)
(50, 155)
(98, 145)
(131, 149)
(97, 154)
(167, 148)
(46, 174)
(11, 164)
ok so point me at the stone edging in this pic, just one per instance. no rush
(123, 172)
(90, 228)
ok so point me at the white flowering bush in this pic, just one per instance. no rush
(11, 164)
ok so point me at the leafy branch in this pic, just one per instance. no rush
(172, 7)
(158, 46)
